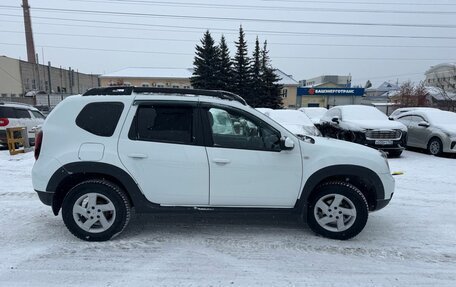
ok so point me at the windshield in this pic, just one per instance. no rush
(442, 118)
(315, 113)
(290, 117)
(365, 113)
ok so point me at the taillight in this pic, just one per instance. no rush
(38, 141)
(4, 122)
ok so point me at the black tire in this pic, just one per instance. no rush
(105, 192)
(435, 146)
(352, 198)
(394, 153)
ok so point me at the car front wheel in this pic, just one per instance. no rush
(337, 210)
(435, 146)
(96, 210)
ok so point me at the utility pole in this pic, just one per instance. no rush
(31, 58)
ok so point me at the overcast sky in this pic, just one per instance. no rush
(379, 40)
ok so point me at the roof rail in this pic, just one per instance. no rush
(103, 91)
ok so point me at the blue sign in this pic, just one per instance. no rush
(330, 91)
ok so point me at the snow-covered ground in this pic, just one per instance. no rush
(412, 242)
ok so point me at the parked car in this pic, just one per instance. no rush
(314, 113)
(398, 112)
(431, 129)
(295, 121)
(19, 115)
(365, 125)
(158, 149)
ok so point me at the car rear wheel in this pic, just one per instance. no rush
(337, 210)
(96, 210)
(435, 146)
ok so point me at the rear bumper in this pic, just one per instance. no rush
(45, 196)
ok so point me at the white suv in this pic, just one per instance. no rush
(19, 115)
(112, 149)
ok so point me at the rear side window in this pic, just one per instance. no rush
(14, 113)
(23, 114)
(7, 112)
(173, 124)
(100, 118)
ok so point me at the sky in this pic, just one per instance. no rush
(377, 40)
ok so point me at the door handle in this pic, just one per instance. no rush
(221, 161)
(137, 155)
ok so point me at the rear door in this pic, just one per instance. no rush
(160, 146)
(247, 167)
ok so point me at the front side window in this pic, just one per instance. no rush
(232, 129)
(37, 115)
(405, 120)
(163, 123)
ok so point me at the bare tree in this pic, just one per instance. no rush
(413, 96)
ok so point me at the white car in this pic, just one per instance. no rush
(365, 125)
(155, 149)
(19, 115)
(295, 121)
(314, 113)
(398, 112)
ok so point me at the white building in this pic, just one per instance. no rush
(442, 76)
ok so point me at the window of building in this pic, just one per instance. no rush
(100, 118)
(284, 93)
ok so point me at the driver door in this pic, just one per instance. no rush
(247, 167)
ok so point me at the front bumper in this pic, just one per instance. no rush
(45, 196)
(382, 203)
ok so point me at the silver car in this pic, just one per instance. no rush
(431, 129)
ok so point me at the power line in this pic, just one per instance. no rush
(276, 57)
(267, 8)
(362, 3)
(140, 26)
(237, 19)
(270, 43)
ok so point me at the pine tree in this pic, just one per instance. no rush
(241, 69)
(205, 63)
(271, 93)
(225, 73)
(257, 83)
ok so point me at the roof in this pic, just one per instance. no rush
(286, 79)
(148, 72)
(439, 94)
(432, 69)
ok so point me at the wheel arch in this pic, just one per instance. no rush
(73, 173)
(366, 180)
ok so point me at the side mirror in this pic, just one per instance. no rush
(286, 143)
(335, 120)
(424, 124)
